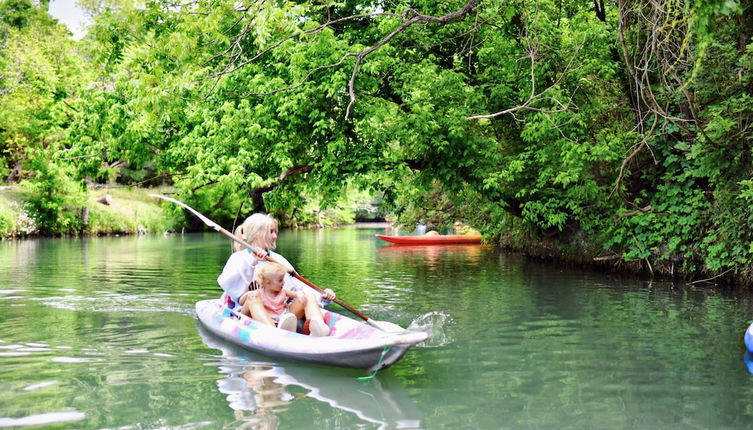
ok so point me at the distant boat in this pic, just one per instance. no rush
(453, 239)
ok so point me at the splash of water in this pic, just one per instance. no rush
(436, 324)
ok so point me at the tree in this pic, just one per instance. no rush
(41, 74)
(614, 127)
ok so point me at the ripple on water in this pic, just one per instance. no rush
(42, 419)
(109, 355)
(118, 303)
(40, 385)
(13, 354)
(75, 360)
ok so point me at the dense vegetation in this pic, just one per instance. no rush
(610, 131)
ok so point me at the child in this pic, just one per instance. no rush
(270, 302)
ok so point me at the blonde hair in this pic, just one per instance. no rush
(254, 230)
(268, 270)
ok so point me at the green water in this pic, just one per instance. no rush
(100, 333)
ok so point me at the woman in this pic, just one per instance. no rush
(260, 231)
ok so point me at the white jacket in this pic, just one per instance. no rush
(239, 272)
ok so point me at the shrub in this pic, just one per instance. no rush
(55, 199)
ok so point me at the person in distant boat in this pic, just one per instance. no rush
(432, 233)
(260, 231)
(272, 304)
(465, 229)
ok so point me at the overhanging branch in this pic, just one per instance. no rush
(410, 17)
(532, 50)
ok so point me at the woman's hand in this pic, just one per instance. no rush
(259, 253)
(328, 294)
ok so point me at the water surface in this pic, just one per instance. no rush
(100, 333)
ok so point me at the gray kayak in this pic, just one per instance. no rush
(350, 343)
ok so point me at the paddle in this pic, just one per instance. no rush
(381, 325)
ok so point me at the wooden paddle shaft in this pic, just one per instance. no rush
(338, 301)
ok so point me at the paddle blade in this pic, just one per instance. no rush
(204, 219)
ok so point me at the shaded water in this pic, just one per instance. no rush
(101, 333)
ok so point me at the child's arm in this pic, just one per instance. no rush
(295, 295)
(294, 284)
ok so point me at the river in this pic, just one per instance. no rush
(100, 333)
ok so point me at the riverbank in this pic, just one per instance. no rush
(131, 211)
(106, 212)
(576, 251)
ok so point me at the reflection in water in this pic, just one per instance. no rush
(748, 360)
(258, 391)
(99, 333)
(432, 264)
(432, 254)
(253, 392)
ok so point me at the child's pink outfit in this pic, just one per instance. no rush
(276, 305)
(277, 309)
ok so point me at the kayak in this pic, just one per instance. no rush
(350, 343)
(748, 338)
(452, 239)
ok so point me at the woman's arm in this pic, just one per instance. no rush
(237, 274)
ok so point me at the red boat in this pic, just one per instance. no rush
(454, 239)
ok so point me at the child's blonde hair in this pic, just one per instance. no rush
(268, 270)
(254, 229)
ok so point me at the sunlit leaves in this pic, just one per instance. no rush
(41, 77)
(225, 100)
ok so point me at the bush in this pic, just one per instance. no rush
(6, 224)
(55, 199)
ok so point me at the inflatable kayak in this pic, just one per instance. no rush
(431, 240)
(349, 344)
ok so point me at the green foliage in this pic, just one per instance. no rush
(6, 224)
(55, 198)
(698, 156)
(243, 109)
(41, 74)
(19, 14)
(13, 210)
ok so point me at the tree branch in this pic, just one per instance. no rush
(409, 17)
(450, 17)
(532, 50)
(257, 193)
